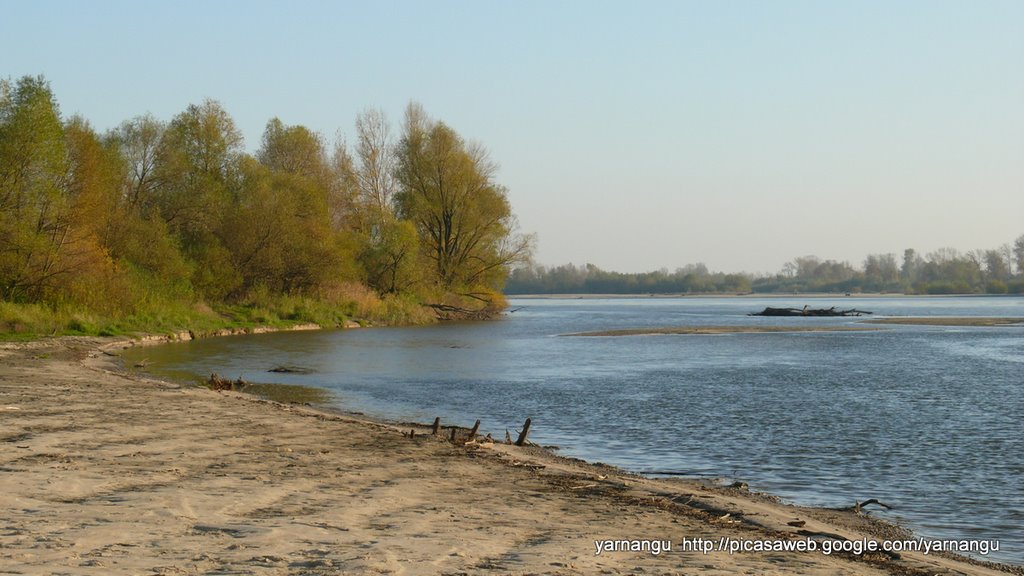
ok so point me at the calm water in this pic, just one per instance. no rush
(927, 419)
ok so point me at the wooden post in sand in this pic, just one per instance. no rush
(522, 435)
(472, 433)
(451, 438)
(437, 425)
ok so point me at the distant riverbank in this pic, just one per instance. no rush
(772, 295)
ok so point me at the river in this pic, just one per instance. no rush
(925, 418)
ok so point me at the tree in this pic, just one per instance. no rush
(343, 206)
(138, 141)
(391, 258)
(285, 232)
(136, 236)
(156, 213)
(197, 165)
(278, 232)
(881, 272)
(34, 208)
(1018, 253)
(911, 262)
(92, 188)
(996, 267)
(447, 190)
(294, 150)
(389, 247)
(376, 173)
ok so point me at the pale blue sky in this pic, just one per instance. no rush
(634, 135)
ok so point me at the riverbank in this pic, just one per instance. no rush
(105, 472)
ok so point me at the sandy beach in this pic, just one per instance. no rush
(107, 472)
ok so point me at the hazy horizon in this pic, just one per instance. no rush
(635, 137)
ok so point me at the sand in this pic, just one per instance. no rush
(952, 321)
(105, 472)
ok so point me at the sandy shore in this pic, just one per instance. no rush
(103, 472)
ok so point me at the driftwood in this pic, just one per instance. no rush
(215, 382)
(449, 312)
(857, 506)
(526, 431)
(288, 369)
(808, 311)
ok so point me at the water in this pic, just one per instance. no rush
(927, 419)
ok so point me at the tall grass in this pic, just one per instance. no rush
(340, 306)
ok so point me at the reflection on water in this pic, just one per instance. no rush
(922, 417)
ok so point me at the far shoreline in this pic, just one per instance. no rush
(750, 295)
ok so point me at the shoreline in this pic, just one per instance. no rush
(216, 480)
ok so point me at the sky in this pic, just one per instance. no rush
(632, 135)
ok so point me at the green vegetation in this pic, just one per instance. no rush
(946, 271)
(162, 226)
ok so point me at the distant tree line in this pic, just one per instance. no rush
(177, 211)
(945, 271)
(589, 279)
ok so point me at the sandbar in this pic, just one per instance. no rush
(721, 330)
(949, 321)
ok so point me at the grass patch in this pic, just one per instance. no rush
(20, 322)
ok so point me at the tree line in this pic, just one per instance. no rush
(158, 213)
(946, 271)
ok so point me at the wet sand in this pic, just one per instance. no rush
(107, 472)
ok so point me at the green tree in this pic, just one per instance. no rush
(1018, 254)
(996, 266)
(881, 272)
(910, 266)
(278, 233)
(34, 208)
(390, 247)
(465, 223)
(295, 150)
(137, 237)
(197, 166)
(391, 257)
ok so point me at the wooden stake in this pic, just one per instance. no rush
(452, 437)
(524, 433)
(472, 433)
(437, 425)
